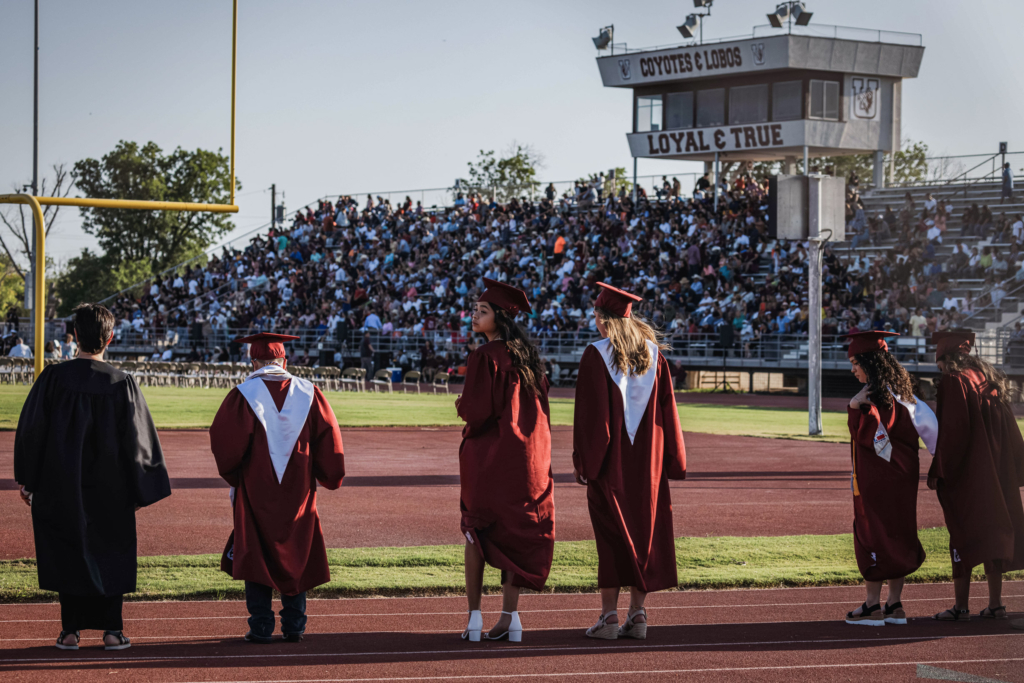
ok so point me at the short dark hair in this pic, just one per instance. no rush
(93, 325)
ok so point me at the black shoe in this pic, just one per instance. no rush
(251, 637)
(292, 637)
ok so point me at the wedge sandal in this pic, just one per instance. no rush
(953, 614)
(603, 630)
(635, 629)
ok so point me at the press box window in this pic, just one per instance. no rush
(825, 100)
(786, 104)
(748, 104)
(648, 113)
(679, 110)
(710, 107)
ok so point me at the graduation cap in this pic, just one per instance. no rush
(865, 342)
(615, 301)
(266, 345)
(952, 341)
(507, 297)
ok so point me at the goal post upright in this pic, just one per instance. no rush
(36, 204)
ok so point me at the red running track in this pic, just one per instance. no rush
(710, 636)
(402, 489)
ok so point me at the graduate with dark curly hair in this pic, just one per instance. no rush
(885, 421)
(507, 492)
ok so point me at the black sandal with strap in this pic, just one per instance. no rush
(993, 613)
(65, 634)
(955, 614)
(123, 643)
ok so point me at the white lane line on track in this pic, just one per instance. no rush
(655, 608)
(635, 673)
(981, 585)
(637, 647)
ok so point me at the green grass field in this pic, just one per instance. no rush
(704, 563)
(175, 408)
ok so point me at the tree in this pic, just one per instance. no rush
(90, 277)
(162, 238)
(12, 284)
(16, 240)
(512, 175)
(911, 165)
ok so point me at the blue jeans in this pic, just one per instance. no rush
(259, 601)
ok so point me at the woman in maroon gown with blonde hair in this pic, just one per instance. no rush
(507, 499)
(627, 444)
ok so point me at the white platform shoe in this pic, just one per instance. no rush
(476, 625)
(514, 632)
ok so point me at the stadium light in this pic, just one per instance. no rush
(791, 11)
(689, 27)
(604, 37)
(700, 4)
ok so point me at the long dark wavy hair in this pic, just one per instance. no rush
(885, 372)
(524, 354)
(959, 361)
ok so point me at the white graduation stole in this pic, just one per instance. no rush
(281, 426)
(636, 391)
(924, 420)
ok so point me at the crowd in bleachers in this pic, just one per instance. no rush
(400, 270)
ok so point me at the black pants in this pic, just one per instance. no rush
(259, 599)
(82, 612)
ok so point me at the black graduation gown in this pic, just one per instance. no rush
(86, 447)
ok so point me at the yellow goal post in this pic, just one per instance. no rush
(37, 204)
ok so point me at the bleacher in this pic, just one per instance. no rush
(961, 196)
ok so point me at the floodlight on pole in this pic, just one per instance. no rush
(701, 4)
(789, 12)
(689, 28)
(604, 37)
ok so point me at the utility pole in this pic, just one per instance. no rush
(30, 281)
(273, 206)
(814, 219)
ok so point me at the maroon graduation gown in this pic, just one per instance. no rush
(277, 539)
(885, 494)
(507, 500)
(979, 464)
(627, 489)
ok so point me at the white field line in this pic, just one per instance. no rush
(476, 651)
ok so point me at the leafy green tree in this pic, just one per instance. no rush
(502, 178)
(91, 277)
(163, 238)
(12, 284)
(911, 165)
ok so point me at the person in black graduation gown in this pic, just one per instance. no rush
(87, 456)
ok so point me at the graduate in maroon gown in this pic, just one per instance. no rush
(978, 471)
(627, 444)
(885, 421)
(274, 437)
(507, 500)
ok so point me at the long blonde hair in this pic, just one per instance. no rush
(629, 337)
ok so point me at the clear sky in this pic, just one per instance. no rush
(345, 97)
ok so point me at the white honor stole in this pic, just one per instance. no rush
(636, 391)
(925, 422)
(281, 426)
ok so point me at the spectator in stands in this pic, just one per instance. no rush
(69, 349)
(1007, 187)
(20, 349)
(366, 355)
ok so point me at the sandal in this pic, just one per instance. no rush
(869, 616)
(123, 643)
(65, 634)
(894, 613)
(603, 630)
(954, 614)
(993, 613)
(634, 629)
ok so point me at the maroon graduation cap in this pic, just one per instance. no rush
(266, 345)
(952, 342)
(507, 297)
(616, 301)
(864, 342)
